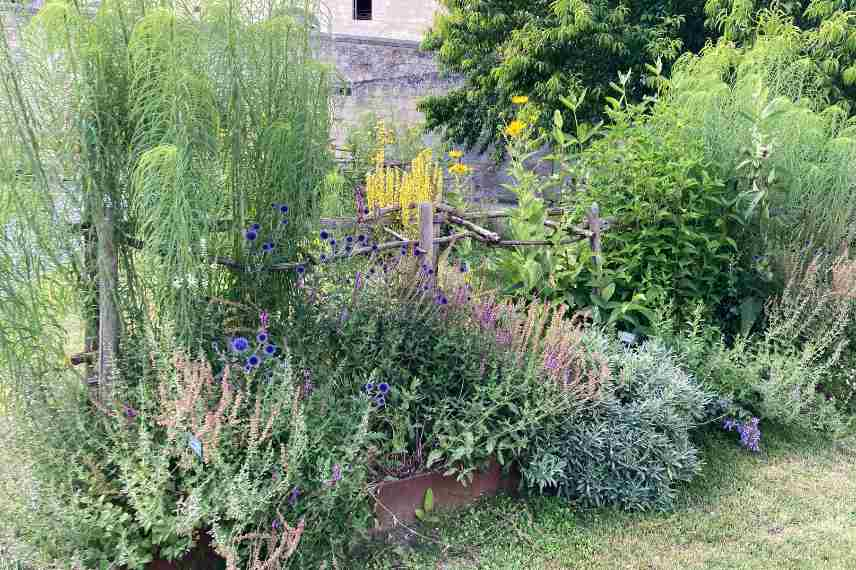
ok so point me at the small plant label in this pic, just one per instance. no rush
(195, 445)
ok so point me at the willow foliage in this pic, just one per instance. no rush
(168, 128)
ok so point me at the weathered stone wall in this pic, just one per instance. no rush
(391, 19)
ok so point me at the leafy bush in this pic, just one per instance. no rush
(456, 377)
(632, 446)
(672, 221)
(792, 372)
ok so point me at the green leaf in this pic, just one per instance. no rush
(428, 502)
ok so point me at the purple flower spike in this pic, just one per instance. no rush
(293, 496)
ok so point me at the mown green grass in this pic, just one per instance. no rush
(793, 506)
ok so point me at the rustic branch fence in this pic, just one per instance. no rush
(101, 351)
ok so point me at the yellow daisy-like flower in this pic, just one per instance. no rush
(520, 99)
(456, 154)
(514, 128)
(459, 169)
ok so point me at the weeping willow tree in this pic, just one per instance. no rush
(142, 141)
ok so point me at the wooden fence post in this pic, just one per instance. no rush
(595, 226)
(108, 310)
(426, 234)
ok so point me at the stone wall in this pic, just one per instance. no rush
(391, 19)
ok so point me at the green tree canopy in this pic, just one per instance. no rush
(546, 49)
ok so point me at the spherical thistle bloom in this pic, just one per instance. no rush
(248, 368)
(333, 242)
(270, 349)
(301, 270)
(368, 387)
(366, 211)
(349, 239)
(515, 128)
(349, 248)
(268, 246)
(463, 267)
(375, 247)
(240, 344)
(283, 209)
(254, 360)
(251, 235)
(325, 235)
(361, 238)
(383, 388)
(520, 99)
(380, 401)
(256, 227)
(456, 154)
(262, 337)
(284, 222)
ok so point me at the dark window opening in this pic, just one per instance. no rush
(362, 9)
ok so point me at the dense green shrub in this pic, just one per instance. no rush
(672, 221)
(547, 49)
(456, 378)
(793, 372)
(632, 446)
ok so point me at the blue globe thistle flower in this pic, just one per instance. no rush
(262, 337)
(270, 349)
(268, 246)
(240, 344)
(251, 235)
(383, 388)
(366, 211)
(349, 239)
(349, 248)
(256, 227)
(322, 258)
(380, 401)
(333, 243)
(253, 360)
(375, 247)
(301, 270)
(464, 268)
(284, 222)
(283, 209)
(361, 238)
(325, 235)
(368, 387)
(442, 300)
(248, 368)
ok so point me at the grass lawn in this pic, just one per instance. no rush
(791, 506)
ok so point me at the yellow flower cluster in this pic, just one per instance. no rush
(459, 169)
(514, 128)
(388, 186)
(520, 99)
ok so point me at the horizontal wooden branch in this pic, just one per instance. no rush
(485, 233)
(82, 358)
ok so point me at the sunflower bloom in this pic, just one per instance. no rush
(514, 128)
(520, 99)
(459, 169)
